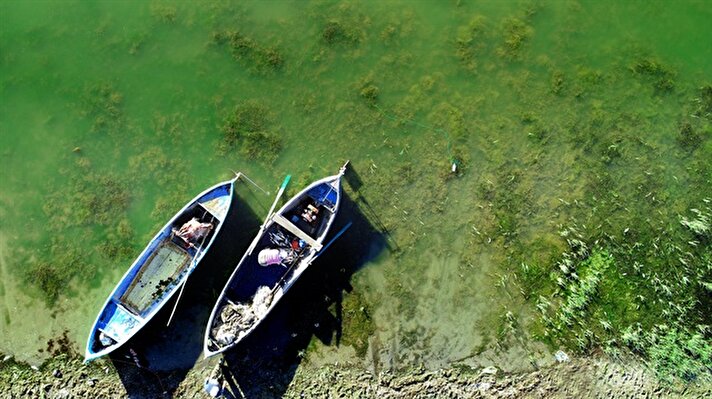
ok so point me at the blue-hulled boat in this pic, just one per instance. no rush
(288, 242)
(161, 269)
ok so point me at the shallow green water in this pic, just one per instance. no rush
(129, 98)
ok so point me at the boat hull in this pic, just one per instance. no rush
(261, 287)
(157, 273)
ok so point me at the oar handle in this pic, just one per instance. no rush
(269, 214)
(285, 182)
(279, 194)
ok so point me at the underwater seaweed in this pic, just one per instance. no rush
(661, 75)
(256, 57)
(471, 41)
(516, 33)
(246, 128)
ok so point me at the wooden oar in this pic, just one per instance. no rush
(269, 214)
(279, 194)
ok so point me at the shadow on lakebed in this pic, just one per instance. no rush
(264, 364)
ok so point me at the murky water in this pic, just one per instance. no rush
(111, 118)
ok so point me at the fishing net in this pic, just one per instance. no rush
(235, 319)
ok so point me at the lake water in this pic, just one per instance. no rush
(112, 115)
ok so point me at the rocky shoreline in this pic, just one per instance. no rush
(64, 376)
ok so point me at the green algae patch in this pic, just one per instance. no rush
(680, 354)
(558, 82)
(661, 76)
(118, 242)
(688, 137)
(704, 102)
(581, 292)
(89, 198)
(470, 42)
(369, 93)
(155, 165)
(164, 13)
(335, 32)
(357, 325)
(342, 25)
(248, 129)
(92, 209)
(516, 32)
(256, 57)
(56, 267)
(103, 107)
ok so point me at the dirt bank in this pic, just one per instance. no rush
(64, 377)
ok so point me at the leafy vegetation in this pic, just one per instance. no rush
(635, 298)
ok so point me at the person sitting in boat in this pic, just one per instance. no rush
(192, 231)
(270, 256)
(310, 213)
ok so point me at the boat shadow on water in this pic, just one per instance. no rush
(263, 364)
(155, 361)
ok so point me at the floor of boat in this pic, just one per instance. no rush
(161, 269)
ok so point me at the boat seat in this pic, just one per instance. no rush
(280, 220)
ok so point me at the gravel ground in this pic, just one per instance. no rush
(65, 377)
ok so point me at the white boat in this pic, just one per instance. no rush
(287, 243)
(159, 271)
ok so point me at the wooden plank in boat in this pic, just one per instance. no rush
(160, 270)
(282, 221)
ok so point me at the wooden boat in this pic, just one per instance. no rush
(160, 270)
(287, 243)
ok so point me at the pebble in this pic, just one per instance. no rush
(489, 370)
(57, 373)
(561, 356)
(63, 394)
(483, 386)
